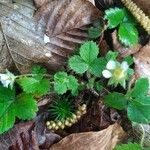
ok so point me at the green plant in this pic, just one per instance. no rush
(135, 101)
(20, 104)
(129, 146)
(87, 60)
(121, 18)
(61, 109)
(64, 82)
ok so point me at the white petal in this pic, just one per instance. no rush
(111, 65)
(107, 74)
(46, 39)
(6, 83)
(124, 65)
(3, 77)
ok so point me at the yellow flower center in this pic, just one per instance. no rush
(118, 73)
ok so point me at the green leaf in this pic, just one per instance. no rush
(129, 60)
(94, 32)
(77, 64)
(97, 66)
(129, 146)
(25, 106)
(63, 82)
(139, 112)
(111, 55)
(7, 118)
(73, 84)
(34, 86)
(6, 94)
(60, 79)
(114, 16)
(141, 88)
(89, 51)
(128, 34)
(36, 69)
(116, 100)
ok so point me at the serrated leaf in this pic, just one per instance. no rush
(77, 64)
(141, 88)
(36, 69)
(73, 84)
(7, 119)
(111, 55)
(89, 51)
(6, 94)
(25, 106)
(128, 34)
(114, 16)
(63, 82)
(94, 32)
(129, 146)
(139, 112)
(116, 100)
(34, 86)
(97, 66)
(60, 79)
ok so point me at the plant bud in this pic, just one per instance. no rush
(59, 123)
(47, 123)
(56, 127)
(67, 123)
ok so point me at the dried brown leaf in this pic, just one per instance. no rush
(102, 140)
(142, 62)
(66, 23)
(22, 38)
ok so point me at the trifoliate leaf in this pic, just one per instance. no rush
(77, 64)
(89, 51)
(25, 106)
(97, 66)
(114, 16)
(6, 94)
(128, 34)
(60, 85)
(94, 32)
(38, 70)
(116, 100)
(129, 146)
(111, 55)
(139, 112)
(141, 88)
(72, 84)
(7, 118)
(34, 86)
(63, 82)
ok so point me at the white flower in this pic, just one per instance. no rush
(7, 79)
(111, 65)
(107, 74)
(124, 66)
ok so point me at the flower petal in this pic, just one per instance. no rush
(124, 66)
(111, 65)
(3, 77)
(107, 74)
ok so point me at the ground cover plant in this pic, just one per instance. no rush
(91, 75)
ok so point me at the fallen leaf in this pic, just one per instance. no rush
(142, 62)
(102, 140)
(22, 37)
